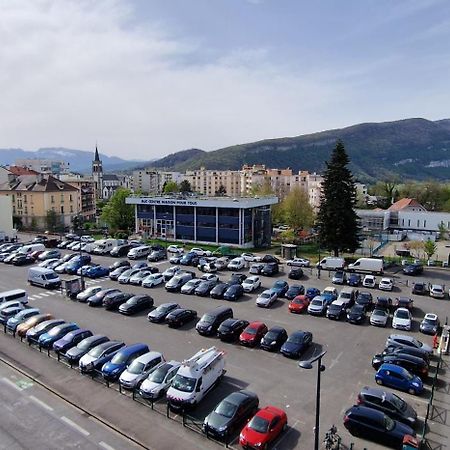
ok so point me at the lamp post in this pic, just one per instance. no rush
(320, 368)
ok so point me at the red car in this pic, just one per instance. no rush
(265, 426)
(253, 334)
(298, 304)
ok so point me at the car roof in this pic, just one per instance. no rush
(402, 310)
(256, 324)
(269, 412)
(393, 368)
(276, 328)
(239, 396)
(147, 357)
(376, 392)
(430, 316)
(130, 349)
(366, 411)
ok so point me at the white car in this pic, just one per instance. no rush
(386, 284)
(200, 252)
(157, 383)
(298, 262)
(170, 272)
(189, 287)
(209, 277)
(379, 317)
(266, 298)
(139, 276)
(153, 280)
(251, 283)
(236, 264)
(402, 319)
(369, 281)
(249, 257)
(175, 249)
(437, 291)
(87, 238)
(222, 262)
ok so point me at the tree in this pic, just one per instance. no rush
(263, 188)
(51, 220)
(116, 213)
(443, 231)
(170, 186)
(297, 211)
(429, 248)
(221, 191)
(337, 220)
(185, 186)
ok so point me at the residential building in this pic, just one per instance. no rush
(212, 182)
(6, 218)
(152, 181)
(44, 166)
(87, 197)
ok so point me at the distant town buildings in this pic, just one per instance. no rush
(44, 166)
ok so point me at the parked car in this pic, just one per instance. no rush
(170, 272)
(296, 344)
(379, 317)
(125, 277)
(74, 354)
(376, 426)
(181, 316)
(70, 340)
(113, 300)
(420, 288)
(386, 284)
(397, 377)
(330, 294)
(312, 292)
(137, 278)
(298, 262)
(49, 254)
(402, 319)
(157, 255)
(269, 259)
(159, 380)
(296, 273)
(337, 310)
(200, 252)
(237, 278)
(21, 317)
(121, 263)
(280, 287)
(294, 291)
(298, 304)
(136, 303)
(159, 314)
(264, 428)
(403, 340)
(136, 372)
(437, 291)
(354, 279)
(175, 249)
(230, 329)
(189, 287)
(31, 322)
(317, 306)
(116, 273)
(266, 299)
(152, 280)
(33, 334)
(251, 283)
(219, 290)
(388, 403)
(413, 269)
(430, 324)
(189, 259)
(249, 257)
(413, 364)
(97, 272)
(357, 314)
(274, 339)
(252, 334)
(392, 350)
(256, 268)
(369, 281)
(237, 264)
(365, 298)
(383, 303)
(97, 299)
(234, 292)
(404, 302)
(23, 260)
(222, 262)
(339, 277)
(99, 355)
(205, 287)
(46, 340)
(235, 409)
(270, 268)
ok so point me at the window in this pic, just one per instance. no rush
(24, 198)
(70, 198)
(52, 199)
(71, 208)
(62, 209)
(62, 198)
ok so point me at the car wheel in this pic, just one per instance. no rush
(411, 391)
(379, 381)
(285, 426)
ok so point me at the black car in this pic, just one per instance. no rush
(274, 339)
(204, 288)
(376, 426)
(270, 268)
(404, 302)
(413, 364)
(420, 288)
(237, 278)
(218, 290)
(122, 250)
(413, 269)
(354, 279)
(22, 260)
(97, 299)
(117, 264)
(357, 314)
(294, 290)
(234, 292)
(230, 329)
(115, 274)
(336, 311)
(296, 344)
(270, 259)
(135, 304)
(388, 403)
(418, 352)
(75, 353)
(159, 314)
(295, 273)
(384, 303)
(179, 317)
(230, 414)
(365, 298)
(114, 300)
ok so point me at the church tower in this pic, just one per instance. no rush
(97, 174)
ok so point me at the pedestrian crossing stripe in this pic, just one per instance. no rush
(43, 294)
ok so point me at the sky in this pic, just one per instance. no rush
(145, 78)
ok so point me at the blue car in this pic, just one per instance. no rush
(77, 262)
(397, 377)
(20, 317)
(296, 344)
(329, 296)
(111, 370)
(311, 292)
(280, 287)
(70, 340)
(47, 340)
(97, 271)
(188, 258)
(354, 280)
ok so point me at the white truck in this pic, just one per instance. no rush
(104, 246)
(331, 263)
(195, 378)
(367, 265)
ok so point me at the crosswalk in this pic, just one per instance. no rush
(43, 295)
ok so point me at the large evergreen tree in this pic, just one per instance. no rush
(337, 219)
(116, 213)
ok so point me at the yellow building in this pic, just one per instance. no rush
(35, 196)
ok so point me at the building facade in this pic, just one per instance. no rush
(148, 181)
(242, 222)
(87, 197)
(44, 166)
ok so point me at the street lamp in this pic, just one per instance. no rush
(320, 368)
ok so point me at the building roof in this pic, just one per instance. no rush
(404, 203)
(96, 157)
(110, 177)
(37, 183)
(18, 170)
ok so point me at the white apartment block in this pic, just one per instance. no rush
(44, 166)
(150, 181)
(209, 182)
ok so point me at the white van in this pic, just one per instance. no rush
(46, 278)
(195, 378)
(331, 263)
(17, 294)
(105, 246)
(367, 265)
(30, 248)
(139, 252)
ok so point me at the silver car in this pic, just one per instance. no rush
(139, 369)
(379, 317)
(403, 340)
(157, 383)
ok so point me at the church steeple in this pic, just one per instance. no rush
(97, 173)
(96, 158)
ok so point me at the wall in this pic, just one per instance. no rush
(6, 222)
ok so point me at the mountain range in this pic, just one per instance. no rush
(416, 149)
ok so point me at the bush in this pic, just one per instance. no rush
(121, 235)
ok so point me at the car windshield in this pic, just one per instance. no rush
(279, 284)
(226, 409)
(136, 367)
(50, 276)
(398, 402)
(317, 302)
(402, 314)
(96, 351)
(389, 424)
(251, 330)
(265, 295)
(295, 339)
(120, 358)
(54, 331)
(84, 344)
(357, 309)
(207, 318)
(127, 272)
(184, 384)
(430, 321)
(380, 312)
(163, 308)
(133, 301)
(159, 374)
(271, 335)
(259, 424)
(299, 301)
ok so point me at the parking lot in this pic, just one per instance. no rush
(274, 378)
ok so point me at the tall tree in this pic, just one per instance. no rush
(51, 220)
(297, 211)
(337, 220)
(185, 186)
(170, 186)
(221, 191)
(430, 248)
(116, 213)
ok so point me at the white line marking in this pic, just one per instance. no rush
(105, 445)
(50, 292)
(75, 426)
(335, 360)
(36, 296)
(41, 403)
(12, 384)
(43, 294)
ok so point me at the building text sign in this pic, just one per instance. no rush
(165, 201)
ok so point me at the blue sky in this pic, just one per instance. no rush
(145, 78)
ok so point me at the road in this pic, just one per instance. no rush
(275, 379)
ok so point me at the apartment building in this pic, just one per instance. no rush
(87, 198)
(150, 181)
(45, 166)
(215, 182)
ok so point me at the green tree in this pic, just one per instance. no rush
(443, 231)
(297, 211)
(185, 186)
(429, 248)
(51, 220)
(116, 213)
(337, 220)
(170, 186)
(221, 191)
(263, 188)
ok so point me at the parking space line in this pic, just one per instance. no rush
(75, 425)
(41, 403)
(50, 292)
(12, 384)
(36, 296)
(43, 294)
(105, 445)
